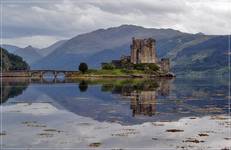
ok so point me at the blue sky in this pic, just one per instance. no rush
(41, 22)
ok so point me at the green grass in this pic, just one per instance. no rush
(113, 72)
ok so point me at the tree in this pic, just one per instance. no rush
(83, 86)
(11, 61)
(83, 67)
(108, 66)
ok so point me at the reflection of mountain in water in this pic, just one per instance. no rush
(132, 101)
(12, 88)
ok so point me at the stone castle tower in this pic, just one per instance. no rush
(143, 51)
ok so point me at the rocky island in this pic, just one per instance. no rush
(142, 62)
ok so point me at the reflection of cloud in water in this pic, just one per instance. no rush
(63, 129)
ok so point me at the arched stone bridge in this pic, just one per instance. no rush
(37, 73)
(41, 73)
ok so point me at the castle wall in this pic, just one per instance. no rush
(143, 51)
(164, 65)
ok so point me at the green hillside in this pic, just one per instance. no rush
(11, 62)
(204, 57)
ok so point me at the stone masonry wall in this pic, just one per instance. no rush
(143, 51)
(164, 65)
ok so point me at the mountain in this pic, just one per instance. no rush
(208, 57)
(10, 48)
(187, 52)
(12, 62)
(45, 51)
(85, 46)
(29, 54)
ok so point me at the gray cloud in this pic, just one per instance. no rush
(57, 19)
(137, 6)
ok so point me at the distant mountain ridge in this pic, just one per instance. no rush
(85, 46)
(188, 52)
(46, 51)
(10, 48)
(29, 54)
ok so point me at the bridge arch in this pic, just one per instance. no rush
(36, 74)
(60, 73)
(49, 74)
(44, 73)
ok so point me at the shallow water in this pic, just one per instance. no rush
(125, 101)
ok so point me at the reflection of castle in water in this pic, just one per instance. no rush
(143, 95)
(144, 102)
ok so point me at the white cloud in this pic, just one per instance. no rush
(67, 18)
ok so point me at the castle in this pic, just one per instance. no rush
(143, 51)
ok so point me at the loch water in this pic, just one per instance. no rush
(125, 101)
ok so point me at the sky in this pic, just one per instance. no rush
(42, 22)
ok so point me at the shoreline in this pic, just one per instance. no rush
(119, 76)
(87, 76)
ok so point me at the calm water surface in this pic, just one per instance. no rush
(125, 101)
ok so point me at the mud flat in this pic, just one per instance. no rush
(41, 125)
